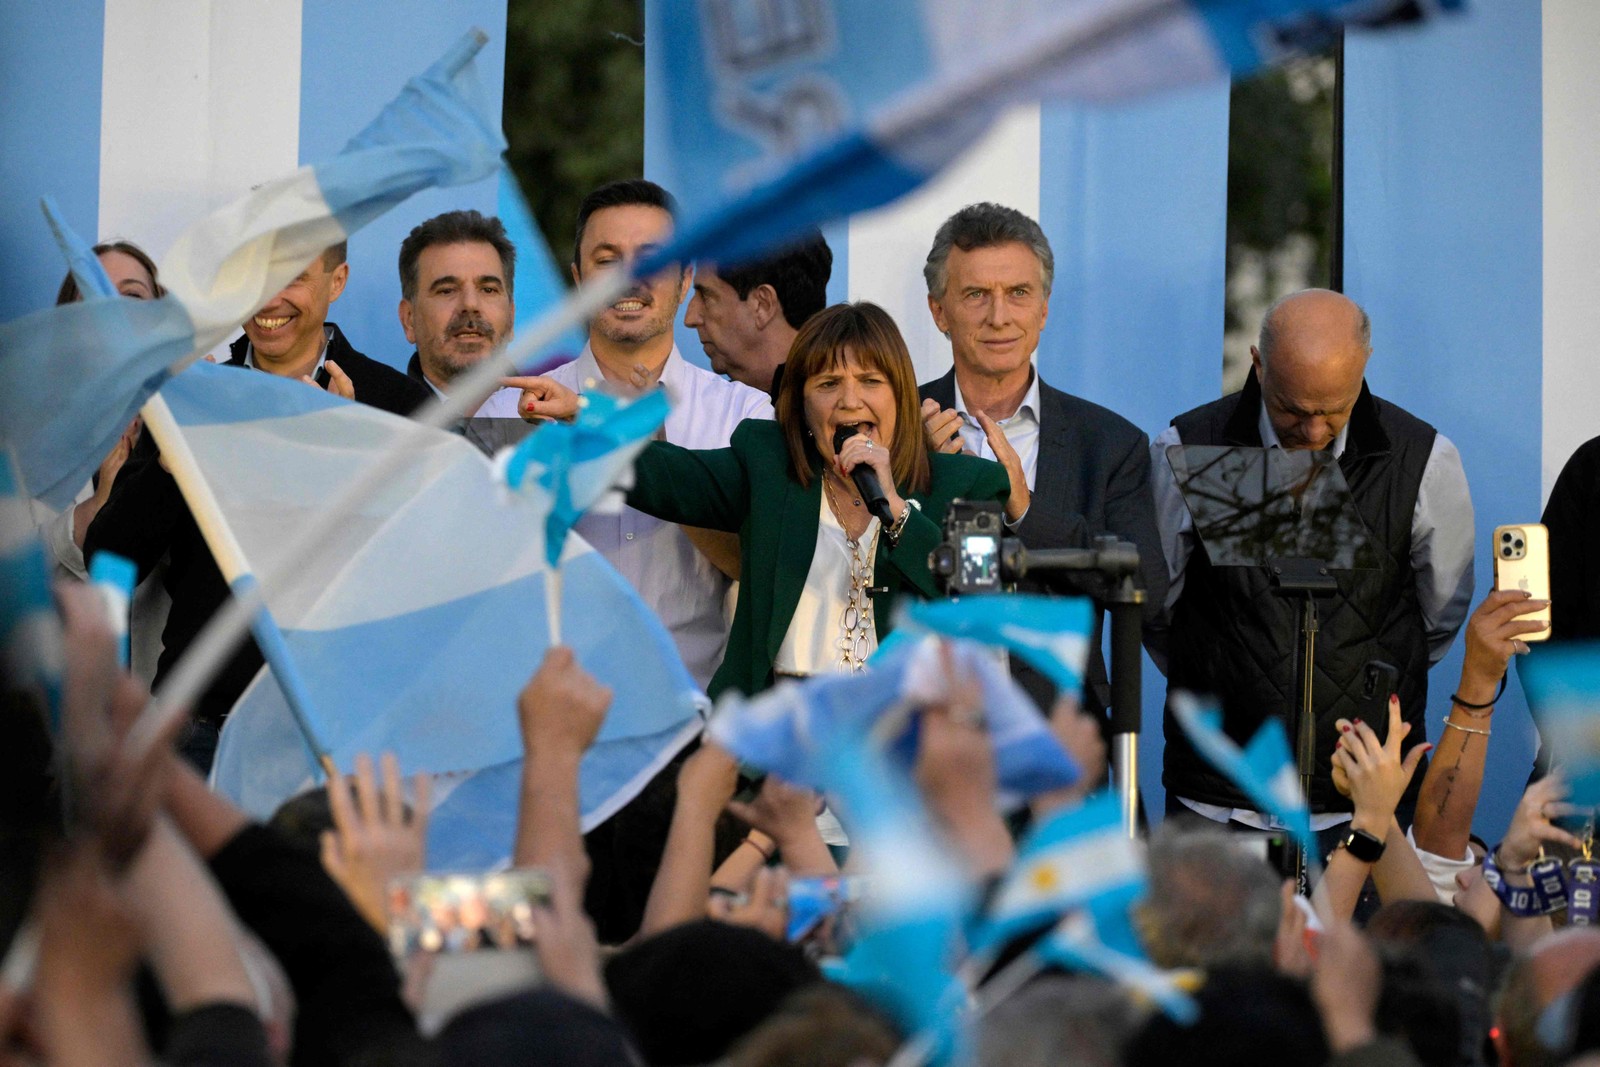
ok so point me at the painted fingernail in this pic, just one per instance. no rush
(1346, 727)
(1358, 722)
(1339, 743)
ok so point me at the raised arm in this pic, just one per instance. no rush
(697, 487)
(1449, 794)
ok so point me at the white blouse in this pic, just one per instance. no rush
(812, 644)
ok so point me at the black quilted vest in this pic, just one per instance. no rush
(1233, 637)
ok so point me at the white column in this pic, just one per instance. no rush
(889, 246)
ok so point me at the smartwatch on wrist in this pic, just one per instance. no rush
(1363, 846)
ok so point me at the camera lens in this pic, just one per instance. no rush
(1505, 551)
(1506, 537)
(982, 521)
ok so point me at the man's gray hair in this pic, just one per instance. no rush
(1269, 326)
(984, 226)
(1059, 1021)
(1210, 901)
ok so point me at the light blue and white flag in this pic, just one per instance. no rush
(1080, 856)
(30, 629)
(571, 465)
(786, 730)
(1264, 769)
(82, 262)
(909, 921)
(1051, 634)
(790, 113)
(415, 628)
(72, 377)
(1100, 940)
(1563, 686)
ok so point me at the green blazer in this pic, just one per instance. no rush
(748, 488)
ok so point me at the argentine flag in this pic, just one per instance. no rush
(791, 113)
(1051, 634)
(1263, 770)
(414, 628)
(787, 730)
(1080, 856)
(72, 377)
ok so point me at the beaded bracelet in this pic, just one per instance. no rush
(1464, 729)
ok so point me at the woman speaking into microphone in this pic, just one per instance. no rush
(820, 572)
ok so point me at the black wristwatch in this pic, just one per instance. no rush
(1362, 845)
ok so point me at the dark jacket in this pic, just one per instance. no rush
(1093, 477)
(146, 518)
(750, 488)
(1233, 637)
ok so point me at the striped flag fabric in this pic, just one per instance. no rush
(1264, 769)
(415, 627)
(72, 377)
(572, 465)
(796, 112)
(909, 918)
(1077, 857)
(1051, 634)
(788, 729)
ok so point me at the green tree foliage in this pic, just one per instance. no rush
(1280, 152)
(574, 103)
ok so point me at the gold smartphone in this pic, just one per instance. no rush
(1522, 561)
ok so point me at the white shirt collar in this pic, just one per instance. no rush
(322, 356)
(1030, 399)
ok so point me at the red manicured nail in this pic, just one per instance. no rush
(1346, 727)
(1339, 743)
(1358, 722)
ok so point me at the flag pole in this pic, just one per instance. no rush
(230, 557)
(206, 654)
(552, 602)
(216, 641)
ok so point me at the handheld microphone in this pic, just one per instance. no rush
(866, 480)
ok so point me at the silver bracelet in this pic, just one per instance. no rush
(1464, 729)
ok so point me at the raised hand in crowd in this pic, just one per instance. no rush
(706, 782)
(1374, 775)
(1448, 797)
(765, 907)
(89, 944)
(787, 816)
(114, 790)
(569, 954)
(1079, 733)
(560, 711)
(941, 427)
(375, 838)
(956, 774)
(1345, 982)
(1532, 829)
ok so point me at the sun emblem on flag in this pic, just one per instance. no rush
(1044, 878)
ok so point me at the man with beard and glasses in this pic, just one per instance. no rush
(457, 274)
(682, 573)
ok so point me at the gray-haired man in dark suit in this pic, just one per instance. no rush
(1077, 469)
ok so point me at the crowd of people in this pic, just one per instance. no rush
(791, 500)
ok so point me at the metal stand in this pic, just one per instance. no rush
(1306, 579)
(1109, 573)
